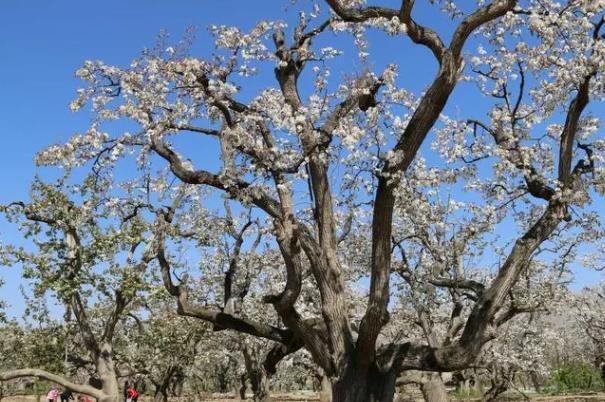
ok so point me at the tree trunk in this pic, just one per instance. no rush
(260, 388)
(325, 392)
(259, 384)
(163, 385)
(497, 388)
(107, 373)
(222, 378)
(600, 363)
(178, 383)
(434, 390)
(535, 381)
(369, 385)
(256, 374)
(160, 395)
(242, 389)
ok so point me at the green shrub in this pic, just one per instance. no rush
(577, 376)
(466, 393)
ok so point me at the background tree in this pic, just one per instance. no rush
(88, 259)
(160, 347)
(590, 304)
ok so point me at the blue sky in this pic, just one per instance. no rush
(43, 42)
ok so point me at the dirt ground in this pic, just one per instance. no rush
(309, 397)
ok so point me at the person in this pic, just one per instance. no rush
(84, 398)
(52, 395)
(132, 395)
(126, 388)
(66, 395)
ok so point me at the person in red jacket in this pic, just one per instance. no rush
(132, 394)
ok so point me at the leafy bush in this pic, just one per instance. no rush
(577, 376)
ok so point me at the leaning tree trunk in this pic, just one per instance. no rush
(497, 388)
(434, 390)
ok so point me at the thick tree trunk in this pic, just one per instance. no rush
(369, 385)
(260, 389)
(257, 375)
(107, 373)
(434, 390)
(325, 392)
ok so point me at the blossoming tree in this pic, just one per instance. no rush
(319, 160)
(90, 258)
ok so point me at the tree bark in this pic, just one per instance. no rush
(160, 395)
(434, 390)
(364, 385)
(325, 392)
(256, 374)
(243, 387)
(177, 384)
(45, 375)
(162, 386)
(498, 387)
(107, 373)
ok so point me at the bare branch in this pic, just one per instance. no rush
(45, 375)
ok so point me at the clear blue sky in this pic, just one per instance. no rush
(42, 42)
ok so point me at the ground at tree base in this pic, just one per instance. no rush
(310, 397)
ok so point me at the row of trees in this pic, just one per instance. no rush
(167, 356)
(333, 213)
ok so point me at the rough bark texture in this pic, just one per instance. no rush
(325, 392)
(497, 388)
(364, 385)
(243, 387)
(160, 395)
(434, 390)
(256, 375)
(45, 375)
(164, 384)
(106, 370)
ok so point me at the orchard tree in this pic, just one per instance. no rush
(3, 306)
(520, 354)
(321, 155)
(38, 346)
(93, 259)
(160, 348)
(590, 305)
